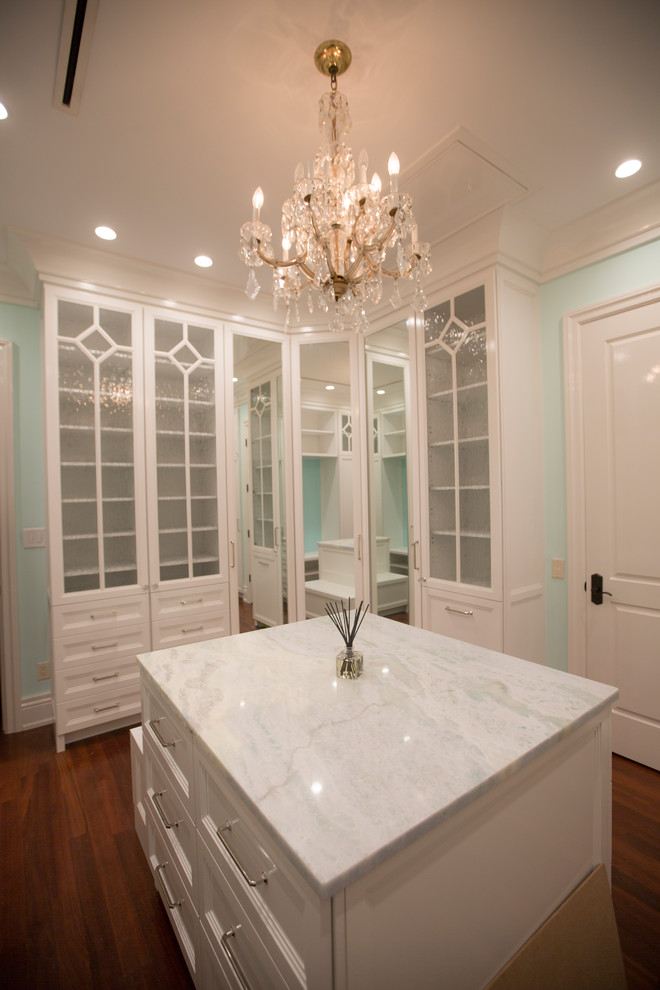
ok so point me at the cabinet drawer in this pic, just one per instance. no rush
(88, 712)
(167, 808)
(139, 790)
(90, 616)
(175, 604)
(179, 906)
(233, 936)
(193, 629)
(282, 910)
(167, 734)
(101, 645)
(472, 620)
(98, 678)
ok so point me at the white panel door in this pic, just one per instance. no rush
(621, 410)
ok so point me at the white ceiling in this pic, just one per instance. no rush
(188, 105)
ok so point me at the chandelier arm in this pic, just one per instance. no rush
(398, 274)
(274, 263)
(326, 246)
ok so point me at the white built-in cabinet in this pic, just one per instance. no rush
(136, 511)
(481, 491)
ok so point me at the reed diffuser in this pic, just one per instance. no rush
(349, 660)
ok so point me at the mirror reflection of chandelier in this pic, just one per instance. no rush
(341, 238)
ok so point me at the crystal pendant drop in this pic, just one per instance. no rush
(395, 299)
(252, 287)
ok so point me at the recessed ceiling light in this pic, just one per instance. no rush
(105, 233)
(3, 112)
(329, 388)
(234, 379)
(203, 261)
(628, 168)
(380, 391)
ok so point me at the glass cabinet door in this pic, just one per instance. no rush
(458, 439)
(185, 457)
(98, 366)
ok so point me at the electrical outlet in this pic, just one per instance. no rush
(43, 671)
(558, 568)
(34, 538)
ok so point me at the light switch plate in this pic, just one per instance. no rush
(558, 568)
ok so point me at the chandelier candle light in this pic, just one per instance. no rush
(344, 235)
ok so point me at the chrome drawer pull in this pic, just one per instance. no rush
(459, 611)
(192, 629)
(224, 939)
(197, 601)
(104, 616)
(248, 879)
(105, 677)
(106, 646)
(106, 708)
(156, 731)
(171, 903)
(161, 811)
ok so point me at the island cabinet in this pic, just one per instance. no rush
(135, 473)
(413, 828)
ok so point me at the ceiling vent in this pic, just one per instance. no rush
(75, 44)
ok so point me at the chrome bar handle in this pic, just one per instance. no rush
(233, 553)
(106, 708)
(459, 611)
(197, 601)
(359, 546)
(156, 731)
(161, 810)
(105, 646)
(104, 677)
(171, 903)
(104, 616)
(238, 969)
(191, 629)
(415, 562)
(241, 869)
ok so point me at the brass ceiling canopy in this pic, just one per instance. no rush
(332, 58)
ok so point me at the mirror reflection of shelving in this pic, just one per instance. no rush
(185, 415)
(458, 439)
(95, 389)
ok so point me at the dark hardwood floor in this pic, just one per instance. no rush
(78, 908)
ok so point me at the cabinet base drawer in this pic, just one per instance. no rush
(137, 777)
(100, 645)
(71, 716)
(472, 620)
(194, 628)
(167, 735)
(167, 808)
(91, 616)
(178, 903)
(179, 604)
(99, 678)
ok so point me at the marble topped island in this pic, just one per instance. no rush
(448, 800)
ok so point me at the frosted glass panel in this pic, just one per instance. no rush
(458, 439)
(95, 378)
(186, 451)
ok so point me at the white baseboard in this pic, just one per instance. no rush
(36, 711)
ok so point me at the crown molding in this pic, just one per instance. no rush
(632, 220)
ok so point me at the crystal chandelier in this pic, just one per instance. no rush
(340, 235)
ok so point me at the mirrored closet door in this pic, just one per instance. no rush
(330, 446)
(391, 550)
(260, 547)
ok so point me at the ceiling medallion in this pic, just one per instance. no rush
(340, 236)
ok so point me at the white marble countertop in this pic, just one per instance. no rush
(344, 773)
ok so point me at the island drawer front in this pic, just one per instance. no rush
(472, 620)
(178, 903)
(244, 952)
(87, 712)
(210, 624)
(178, 604)
(283, 910)
(166, 733)
(101, 677)
(175, 824)
(98, 645)
(88, 617)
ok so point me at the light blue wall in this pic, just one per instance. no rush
(627, 272)
(21, 325)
